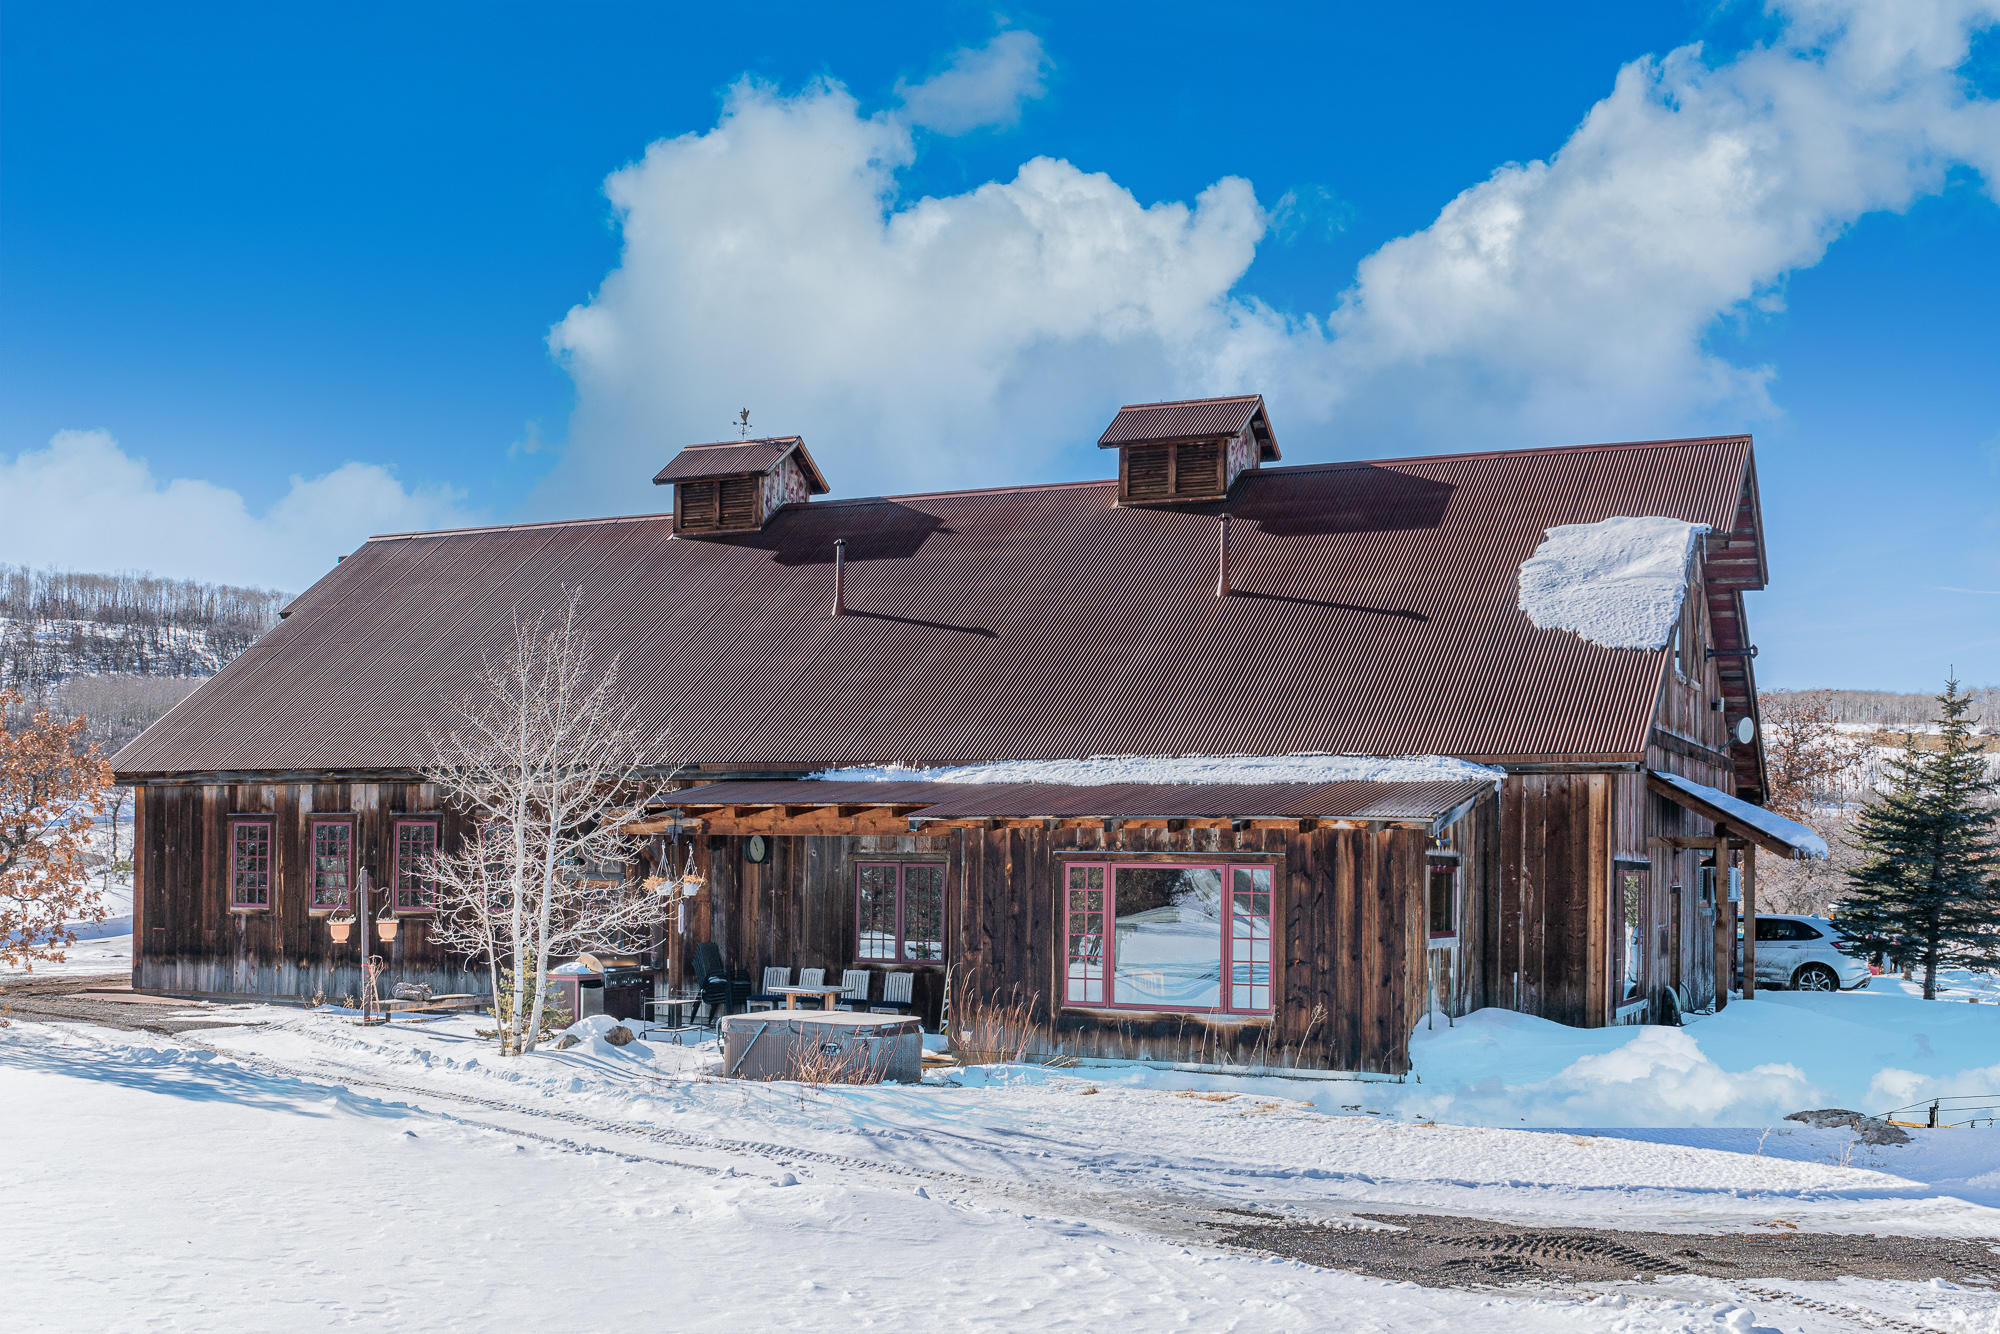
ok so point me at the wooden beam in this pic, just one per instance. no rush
(1750, 921)
(814, 820)
(1721, 818)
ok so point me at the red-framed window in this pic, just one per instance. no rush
(1443, 897)
(899, 912)
(253, 861)
(1168, 936)
(332, 875)
(416, 842)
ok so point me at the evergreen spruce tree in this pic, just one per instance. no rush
(1929, 888)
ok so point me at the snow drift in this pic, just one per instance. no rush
(1102, 770)
(1619, 583)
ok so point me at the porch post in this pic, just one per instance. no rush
(1724, 955)
(1749, 920)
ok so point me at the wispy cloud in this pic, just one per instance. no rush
(1979, 592)
(980, 86)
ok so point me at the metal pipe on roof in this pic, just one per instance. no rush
(1222, 558)
(839, 575)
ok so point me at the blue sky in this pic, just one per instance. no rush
(274, 277)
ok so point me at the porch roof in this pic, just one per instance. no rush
(1426, 801)
(1766, 828)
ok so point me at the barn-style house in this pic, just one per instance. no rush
(1394, 738)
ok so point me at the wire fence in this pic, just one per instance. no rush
(1952, 1111)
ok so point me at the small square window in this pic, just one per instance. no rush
(1444, 899)
(416, 843)
(332, 863)
(251, 863)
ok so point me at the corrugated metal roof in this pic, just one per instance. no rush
(1374, 612)
(732, 458)
(1134, 801)
(1192, 418)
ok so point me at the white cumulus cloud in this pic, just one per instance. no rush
(83, 503)
(773, 260)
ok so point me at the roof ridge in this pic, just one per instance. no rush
(1023, 487)
(1182, 402)
(519, 527)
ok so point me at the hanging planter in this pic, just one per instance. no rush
(661, 886)
(386, 924)
(338, 924)
(691, 878)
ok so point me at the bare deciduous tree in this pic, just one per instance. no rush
(543, 756)
(1817, 775)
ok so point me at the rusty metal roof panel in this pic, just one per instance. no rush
(1189, 419)
(1374, 611)
(733, 458)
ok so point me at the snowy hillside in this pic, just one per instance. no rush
(55, 625)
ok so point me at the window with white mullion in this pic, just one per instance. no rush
(1169, 936)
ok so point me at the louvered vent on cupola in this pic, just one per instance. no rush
(735, 486)
(1191, 450)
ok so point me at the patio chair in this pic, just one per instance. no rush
(895, 994)
(854, 989)
(768, 999)
(815, 977)
(712, 980)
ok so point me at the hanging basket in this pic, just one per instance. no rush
(386, 924)
(338, 924)
(661, 886)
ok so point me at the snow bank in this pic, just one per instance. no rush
(1618, 583)
(1772, 823)
(1498, 1067)
(1101, 770)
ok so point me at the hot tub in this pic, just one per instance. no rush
(823, 1046)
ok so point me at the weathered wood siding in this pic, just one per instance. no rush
(1348, 941)
(796, 909)
(186, 936)
(1349, 932)
(1544, 939)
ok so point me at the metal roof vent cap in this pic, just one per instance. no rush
(735, 486)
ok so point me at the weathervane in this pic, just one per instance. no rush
(742, 424)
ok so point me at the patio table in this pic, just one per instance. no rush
(828, 993)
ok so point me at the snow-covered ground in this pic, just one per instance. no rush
(307, 1173)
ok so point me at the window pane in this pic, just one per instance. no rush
(415, 842)
(1635, 916)
(877, 911)
(332, 864)
(923, 912)
(1168, 943)
(1250, 938)
(1085, 984)
(1444, 899)
(250, 866)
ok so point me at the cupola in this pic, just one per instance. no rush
(1194, 449)
(735, 486)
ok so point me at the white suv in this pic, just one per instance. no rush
(1801, 952)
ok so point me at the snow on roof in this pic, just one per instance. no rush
(1618, 583)
(1810, 845)
(1101, 770)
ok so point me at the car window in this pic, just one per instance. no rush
(1774, 928)
(1806, 932)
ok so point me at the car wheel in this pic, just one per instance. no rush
(1816, 977)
